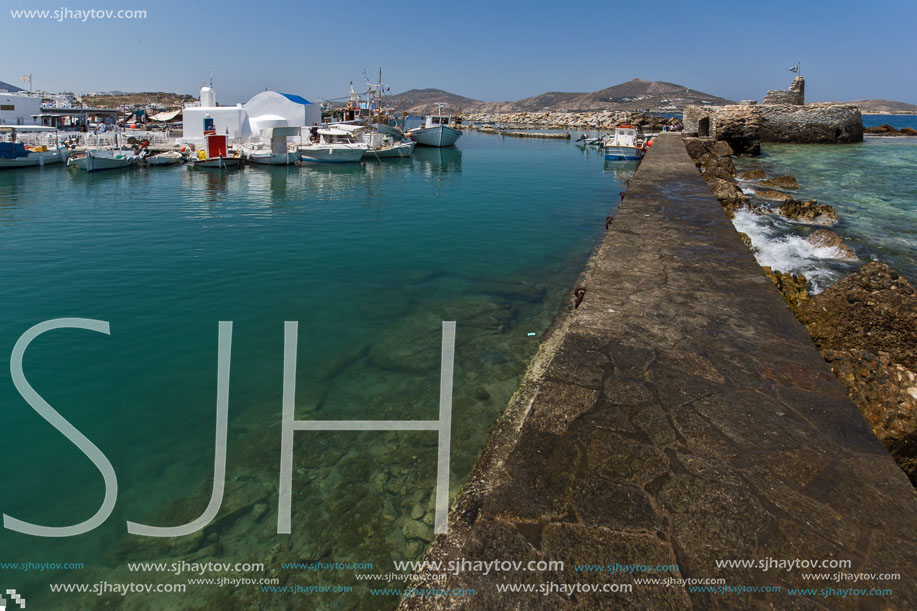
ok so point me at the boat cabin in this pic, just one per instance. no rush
(334, 135)
(436, 120)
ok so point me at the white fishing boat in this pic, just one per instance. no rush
(275, 150)
(15, 154)
(104, 159)
(382, 146)
(162, 159)
(435, 131)
(624, 145)
(336, 144)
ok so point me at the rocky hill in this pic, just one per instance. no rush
(635, 94)
(140, 100)
(422, 101)
(881, 107)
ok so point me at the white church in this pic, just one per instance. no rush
(245, 122)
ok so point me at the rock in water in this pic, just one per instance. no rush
(828, 239)
(752, 175)
(780, 182)
(774, 196)
(810, 212)
(729, 194)
(872, 309)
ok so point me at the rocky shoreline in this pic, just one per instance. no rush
(864, 325)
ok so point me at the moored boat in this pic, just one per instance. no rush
(435, 131)
(162, 159)
(277, 152)
(334, 145)
(624, 145)
(15, 154)
(104, 159)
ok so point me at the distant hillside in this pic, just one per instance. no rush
(10, 88)
(421, 101)
(885, 106)
(142, 99)
(636, 94)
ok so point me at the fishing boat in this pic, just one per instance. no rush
(163, 159)
(625, 145)
(275, 151)
(335, 145)
(104, 159)
(585, 140)
(388, 148)
(435, 131)
(15, 154)
(215, 153)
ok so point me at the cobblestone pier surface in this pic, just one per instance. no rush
(683, 417)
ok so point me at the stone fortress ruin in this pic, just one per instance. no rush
(783, 116)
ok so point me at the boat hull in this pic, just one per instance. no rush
(273, 158)
(164, 159)
(218, 163)
(99, 161)
(34, 160)
(401, 150)
(328, 154)
(623, 153)
(438, 136)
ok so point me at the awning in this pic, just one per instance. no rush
(167, 116)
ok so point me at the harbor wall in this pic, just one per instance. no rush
(680, 416)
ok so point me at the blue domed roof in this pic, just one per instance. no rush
(296, 98)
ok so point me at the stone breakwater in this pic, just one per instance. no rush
(865, 325)
(681, 416)
(572, 120)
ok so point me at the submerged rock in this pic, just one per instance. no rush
(752, 175)
(810, 212)
(415, 529)
(780, 182)
(824, 238)
(793, 287)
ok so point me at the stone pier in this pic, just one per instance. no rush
(684, 418)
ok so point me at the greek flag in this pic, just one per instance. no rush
(794, 68)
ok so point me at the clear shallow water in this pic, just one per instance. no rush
(369, 258)
(873, 187)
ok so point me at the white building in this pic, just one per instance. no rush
(272, 109)
(18, 109)
(243, 123)
(229, 120)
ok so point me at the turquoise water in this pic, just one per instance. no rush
(369, 258)
(873, 187)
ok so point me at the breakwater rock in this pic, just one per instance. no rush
(865, 326)
(567, 120)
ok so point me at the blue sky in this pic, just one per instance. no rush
(492, 51)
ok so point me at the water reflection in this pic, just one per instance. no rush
(438, 161)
